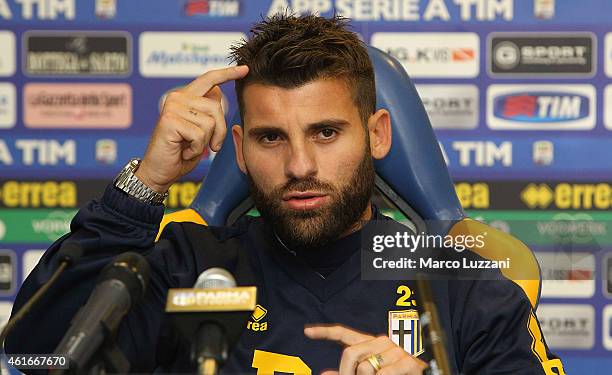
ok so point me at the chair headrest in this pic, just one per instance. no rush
(414, 169)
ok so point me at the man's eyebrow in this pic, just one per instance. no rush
(327, 123)
(259, 131)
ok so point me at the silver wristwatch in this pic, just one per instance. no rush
(128, 182)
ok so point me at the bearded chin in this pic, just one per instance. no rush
(316, 228)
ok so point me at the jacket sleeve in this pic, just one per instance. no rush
(106, 228)
(500, 334)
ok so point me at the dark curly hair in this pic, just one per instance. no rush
(289, 51)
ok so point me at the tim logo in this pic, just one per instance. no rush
(541, 108)
(212, 8)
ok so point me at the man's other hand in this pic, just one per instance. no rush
(191, 120)
(390, 358)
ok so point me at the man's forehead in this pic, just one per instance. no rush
(314, 101)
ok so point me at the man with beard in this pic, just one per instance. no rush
(309, 133)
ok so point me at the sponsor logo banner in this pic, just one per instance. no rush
(8, 105)
(608, 54)
(608, 107)
(542, 54)
(78, 157)
(77, 53)
(38, 194)
(546, 228)
(184, 54)
(77, 105)
(527, 156)
(211, 8)
(522, 195)
(607, 275)
(5, 314)
(433, 55)
(26, 225)
(607, 327)
(36, 225)
(450, 106)
(7, 57)
(8, 274)
(30, 259)
(567, 274)
(541, 107)
(567, 326)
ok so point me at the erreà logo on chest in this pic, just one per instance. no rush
(256, 322)
(405, 331)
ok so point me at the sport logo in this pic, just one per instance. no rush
(542, 54)
(541, 107)
(212, 8)
(450, 106)
(568, 326)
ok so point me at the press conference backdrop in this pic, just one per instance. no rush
(520, 94)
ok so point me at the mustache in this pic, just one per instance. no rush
(304, 184)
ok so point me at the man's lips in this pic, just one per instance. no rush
(305, 200)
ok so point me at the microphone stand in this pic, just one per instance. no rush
(433, 336)
(108, 359)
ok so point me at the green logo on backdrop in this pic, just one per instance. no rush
(34, 225)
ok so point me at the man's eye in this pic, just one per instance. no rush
(270, 138)
(327, 133)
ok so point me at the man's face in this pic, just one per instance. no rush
(307, 156)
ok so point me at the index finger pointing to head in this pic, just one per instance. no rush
(343, 335)
(201, 85)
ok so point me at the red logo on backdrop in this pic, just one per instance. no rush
(520, 105)
(580, 275)
(463, 54)
(193, 7)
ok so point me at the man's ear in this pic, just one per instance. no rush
(379, 128)
(237, 135)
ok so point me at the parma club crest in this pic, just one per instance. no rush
(405, 331)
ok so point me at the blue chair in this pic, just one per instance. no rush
(413, 176)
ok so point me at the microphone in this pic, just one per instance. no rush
(210, 350)
(68, 255)
(120, 285)
(212, 316)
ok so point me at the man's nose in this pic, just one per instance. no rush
(301, 161)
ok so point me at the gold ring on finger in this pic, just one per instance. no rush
(376, 361)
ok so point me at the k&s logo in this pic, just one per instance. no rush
(541, 107)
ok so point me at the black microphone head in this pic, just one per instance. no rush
(70, 252)
(130, 268)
